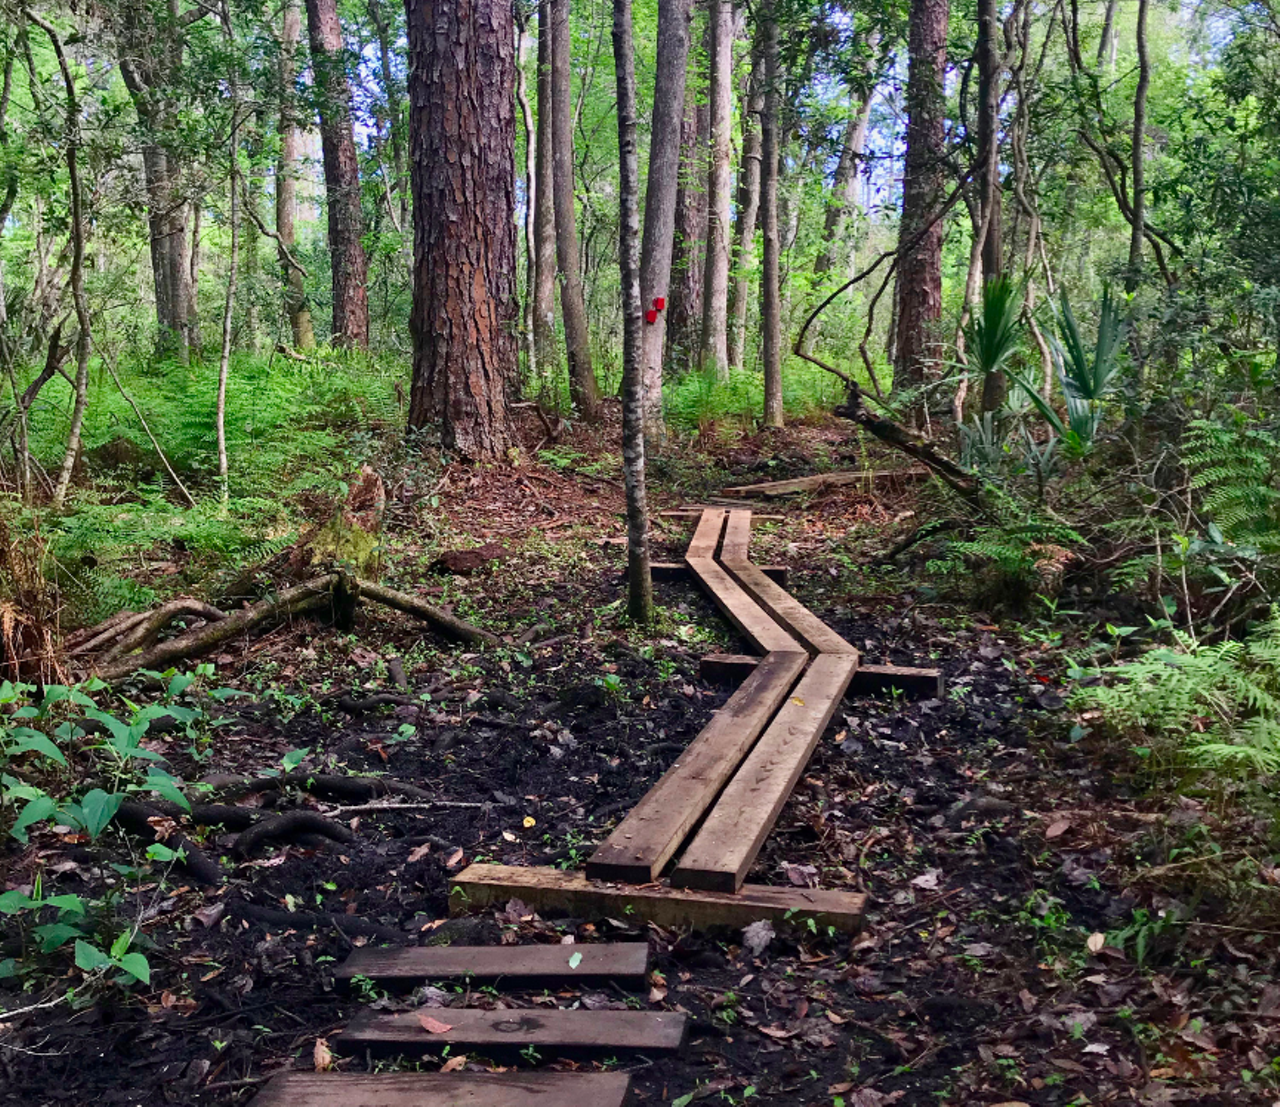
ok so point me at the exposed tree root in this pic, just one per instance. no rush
(144, 632)
(133, 817)
(442, 620)
(353, 706)
(291, 824)
(313, 920)
(342, 789)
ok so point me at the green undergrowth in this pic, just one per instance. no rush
(699, 400)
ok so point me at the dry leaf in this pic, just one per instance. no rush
(1096, 942)
(454, 1064)
(454, 858)
(419, 852)
(530, 822)
(322, 1056)
(509, 836)
(1058, 829)
(433, 1026)
(777, 1032)
(657, 994)
(833, 1017)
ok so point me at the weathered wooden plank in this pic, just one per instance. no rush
(540, 1027)
(422, 1089)
(706, 536)
(802, 623)
(415, 965)
(547, 889)
(823, 480)
(756, 624)
(737, 536)
(724, 849)
(649, 836)
(674, 571)
(728, 670)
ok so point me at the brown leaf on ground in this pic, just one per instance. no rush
(322, 1056)
(433, 1026)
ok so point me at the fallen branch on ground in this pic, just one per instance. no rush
(439, 618)
(291, 824)
(313, 920)
(343, 789)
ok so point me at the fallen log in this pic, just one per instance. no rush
(145, 631)
(818, 481)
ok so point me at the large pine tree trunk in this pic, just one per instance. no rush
(715, 293)
(919, 286)
(341, 177)
(639, 580)
(544, 212)
(660, 197)
(462, 152)
(583, 389)
(295, 294)
(684, 327)
(770, 290)
(748, 210)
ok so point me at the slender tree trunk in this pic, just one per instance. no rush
(1107, 43)
(1133, 276)
(395, 105)
(685, 324)
(544, 212)
(583, 389)
(228, 306)
(639, 580)
(770, 290)
(715, 295)
(462, 150)
(919, 286)
(341, 177)
(660, 197)
(844, 189)
(521, 16)
(748, 210)
(994, 387)
(295, 294)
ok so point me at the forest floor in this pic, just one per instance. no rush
(992, 844)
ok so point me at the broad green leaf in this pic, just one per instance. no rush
(99, 808)
(158, 851)
(13, 902)
(180, 683)
(160, 781)
(8, 968)
(137, 966)
(32, 741)
(121, 945)
(575, 960)
(119, 731)
(38, 809)
(65, 903)
(90, 958)
(294, 758)
(55, 935)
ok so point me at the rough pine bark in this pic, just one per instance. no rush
(714, 352)
(684, 327)
(295, 294)
(462, 154)
(748, 210)
(770, 290)
(544, 212)
(639, 580)
(583, 389)
(660, 197)
(919, 287)
(341, 177)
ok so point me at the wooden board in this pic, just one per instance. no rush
(727, 670)
(737, 536)
(823, 480)
(544, 1028)
(422, 1089)
(548, 889)
(674, 571)
(724, 849)
(755, 624)
(706, 537)
(417, 964)
(802, 623)
(649, 836)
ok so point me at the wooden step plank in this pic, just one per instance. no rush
(728, 670)
(673, 571)
(548, 889)
(706, 537)
(755, 624)
(649, 836)
(540, 1027)
(417, 964)
(802, 623)
(737, 536)
(727, 845)
(824, 480)
(421, 1089)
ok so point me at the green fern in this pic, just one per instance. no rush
(1234, 468)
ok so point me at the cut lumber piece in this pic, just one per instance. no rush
(871, 680)
(541, 1027)
(802, 623)
(737, 536)
(548, 889)
(706, 536)
(433, 1089)
(650, 835)
(755, 624)
(415, 965)
(724, 849)
(727, 670)
(692, 510)
(674, 571)
(823, 480)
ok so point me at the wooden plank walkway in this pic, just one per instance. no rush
(755, 624)
(414, 965)
(544, 1028)
(420, 1089)
(546, 888)
(650, 835)
(802, 623)
(730, 669)
(706, 536)
(731, 837)
(737, 536)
